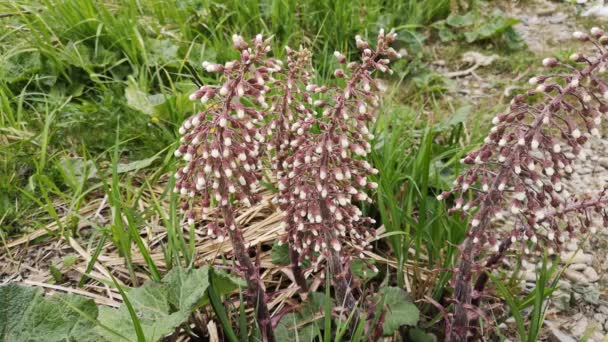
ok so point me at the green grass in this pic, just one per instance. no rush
(76, 73)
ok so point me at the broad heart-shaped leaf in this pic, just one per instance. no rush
(304, 324)
(461, 20)
(459, 116)
(399, 309)
(140, 100)
(27, 315)
(493, 27)
(160, 307)
(292, 328)
(20, 66)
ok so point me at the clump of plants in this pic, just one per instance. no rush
(520, 169)
(318, 139)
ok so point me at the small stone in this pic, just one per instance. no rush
(600, 318)
(577, 258)
(591, 274)
(584, 171)
(565, 285)
(558, 18)
(579, 328)
(530, 276)
(557, 334)
(576, 277)
(577, 267)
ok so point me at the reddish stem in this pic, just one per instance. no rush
(257, 297)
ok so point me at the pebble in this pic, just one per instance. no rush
(580, 327)
(600, 318)
(577, 258)
(564, 285)
(530, 276)
(577, 267)
(572, 246)
(591, 275)
(557, 334)
(577, 277)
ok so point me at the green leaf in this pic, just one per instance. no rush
(399, 309)
(160, 307)
(280, 254)
(186, 288)
(225, 282)
(418, 335)
(291, 328)
(459, 116)
(20, 66)
(458, 20)
(141, 100)
(314, 306)
(135, 165)
(303, 325)
(69, 261)
(162, 51)
(27, 315)
(56, 273)
(362, 269)
(491, 28)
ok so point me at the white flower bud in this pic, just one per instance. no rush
(534, 144)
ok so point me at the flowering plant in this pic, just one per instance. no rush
(318, 159)
(221, 148)
(521, 166)
(326, 169)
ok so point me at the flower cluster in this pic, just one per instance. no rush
(221, 145)
(319, 137)
(326, 170)
(289, 105)
(522, 163)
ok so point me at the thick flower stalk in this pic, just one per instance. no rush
(326, 171)
(291, 104)
(221, 149)
(521, 167)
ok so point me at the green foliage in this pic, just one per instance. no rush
(473, 27)
(304, 324)
(27, 315)
(160, 307)
(416, 161)
(280, 254)
(363, 269)
(399, 309)
(546, 283)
